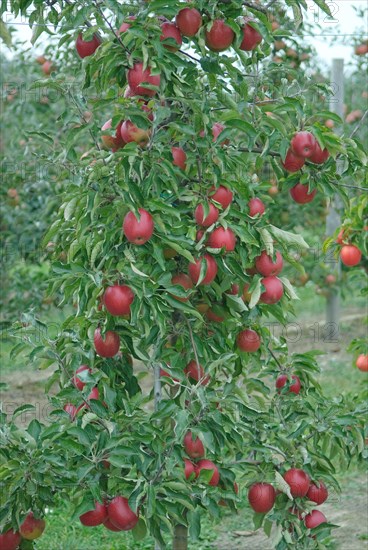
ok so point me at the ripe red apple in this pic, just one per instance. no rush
(212, 316)
(94, 517)
(251, 37)
(41, 59)
(189, 468)
(350, 255)
(317, 492)
(114, 142)
(362, 362)
(71, 410)
(32, 528)
(86, 48)
(118, 299)
(138, 231)
(10, 540)
(294, 387)
(179, 157)
(261, 497)
(340, 239)
(314, 519)
(189, 21)
(211, 269)
(125, 26)
(193, 447)
(292, 163)
(319, 155)
(121, 515)
(298, 480)
(273, 292)
(330, 279)
(78, 383)
(256, 206)
(248, 340)
(110, 526)
(273, 190)
(266, 266)
(300, 193)
(199, 234)
(107, 347)
(209, 219)
(361, 49)
(170, 30)
(47, 68)
(205, 464)
(222, 195)
(131, 133)
(220, 36)
(222, 238)
(196, 372)
(217, 128)
(183, 280)
(137, 76)
(303, 144)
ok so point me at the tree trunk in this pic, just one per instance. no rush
(180, 541)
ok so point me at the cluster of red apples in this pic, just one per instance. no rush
(194, 448)
(262, 496)
(303, 146)
(31, 529)
(115, 515)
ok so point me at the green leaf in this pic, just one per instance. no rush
(5, 34)
(287, 238)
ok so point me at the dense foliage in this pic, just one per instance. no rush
(194, 356)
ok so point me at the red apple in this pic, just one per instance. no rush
(220, 36)
(179, 157)
(261, 497)
(131, 133)
(137, 76)
(31, 527)
(114, 142)
(212, 316)
(222, 238)
(193, 447)
(199, 234)
(138, 231)
(107, 347)
(71, 410)
(319, 155)
(205, 464)
(248, 340)
(196, 372)
(298, 480)
(251, 37)
(94, 517)
(110, 526)
(183, 280)
(361, 49)
(121, 515)
(189, 21)
(47, 67)
(256, 206)
(362, 362)
(300, 193)
(10, 540)
(317, 492)
(86, 48)
(222, 195)
(170, 30)
(303, 144)
(292, 163)
(314, 519)
(125, 26)
(209, 219)
(217, 128)
(341, 239)
(266, 266)
(210, 272)
(118, 299)
(330, 279)
(273, 292)
(78, 383)
(350, 255)
(189, 468)
(294, 387)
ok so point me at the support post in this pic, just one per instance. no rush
(333, 220)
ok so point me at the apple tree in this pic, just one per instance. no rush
(174, 396)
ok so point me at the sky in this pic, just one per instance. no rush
(343, 24)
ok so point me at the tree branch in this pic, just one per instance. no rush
(359, 124)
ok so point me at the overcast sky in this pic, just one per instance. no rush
(344, 25)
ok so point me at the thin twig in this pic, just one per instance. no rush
(275, 358)
(358, 125)
(111, 28)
